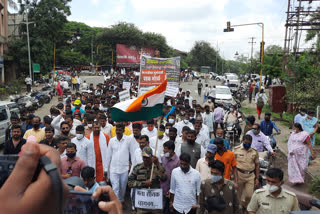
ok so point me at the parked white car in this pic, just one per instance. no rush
(6, 108)
(233, 81)
(220, 77)
(223, 95)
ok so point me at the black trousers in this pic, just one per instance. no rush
(199, 91)
(250, 96)
(28, 87)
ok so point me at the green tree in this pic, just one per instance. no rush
(202, 54)
(131, 35)
(49, 17)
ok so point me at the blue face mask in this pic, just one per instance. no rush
(246, 145)
(215, 178)
(254, 131)
(231, 109)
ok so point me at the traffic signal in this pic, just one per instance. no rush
(228, 29)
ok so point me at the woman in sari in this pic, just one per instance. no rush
(298, 146)
(59, 89)
(310, 125)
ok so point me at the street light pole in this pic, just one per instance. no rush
(29, 54)
(230, 29)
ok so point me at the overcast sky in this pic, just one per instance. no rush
(183, 22)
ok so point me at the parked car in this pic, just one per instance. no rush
(213, 75)
(219, 78)
(5, 114)
(233, 80)
(223, 95)
(196, 74)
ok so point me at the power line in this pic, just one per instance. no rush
(252, 42)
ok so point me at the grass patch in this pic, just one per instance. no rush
(315, 187)
(317, 139)
(248, 111)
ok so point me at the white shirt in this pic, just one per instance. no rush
(78, 80)
(160, 143)
(118, 154)
(264, 97)
(190, 100)
(28, 81)
(107, 129)
(178, 142)
(205, 130)
(186, 188)
(56, 125)
(150, 134)
(203, 140)
(182, 124)
(64, 84)
(85, 150)
(136, 158)
(208, 120)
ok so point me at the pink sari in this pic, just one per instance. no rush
(59, 90)
(298, 162)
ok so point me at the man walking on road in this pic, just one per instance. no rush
(200, 85)
(28, 81)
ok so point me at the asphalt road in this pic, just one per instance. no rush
(192, 86)
(41, 112)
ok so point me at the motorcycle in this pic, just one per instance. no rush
(231, 134)
(25, 101)
(40, 97)
(274, 146)
(266, 161)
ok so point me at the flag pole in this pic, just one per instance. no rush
(155, 150)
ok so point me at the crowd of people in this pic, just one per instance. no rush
(186, 155)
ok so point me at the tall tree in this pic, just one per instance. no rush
(202, 54)
(48, 18)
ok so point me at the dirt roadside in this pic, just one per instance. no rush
(281, 160)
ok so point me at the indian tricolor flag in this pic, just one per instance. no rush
(147, 106)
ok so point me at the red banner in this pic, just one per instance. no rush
(130, 54)
(152, 77)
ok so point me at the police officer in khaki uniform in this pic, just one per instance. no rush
(248, 169)
(272, 198)
(140, 176)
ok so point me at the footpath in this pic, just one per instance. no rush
(282, 139)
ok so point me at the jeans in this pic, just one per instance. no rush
(119, 184)
(273, 141)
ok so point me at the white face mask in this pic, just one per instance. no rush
(166, 155)
(167, 131)
(89, 125)
(79, 136)
(171, 120)
(185, 121)
(271, 188)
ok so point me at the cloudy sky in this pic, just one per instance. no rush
(183, 22)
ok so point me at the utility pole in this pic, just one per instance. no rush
(252, 42)
(295, 48)
(285, 51)
(217, 58)
(91, 52)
